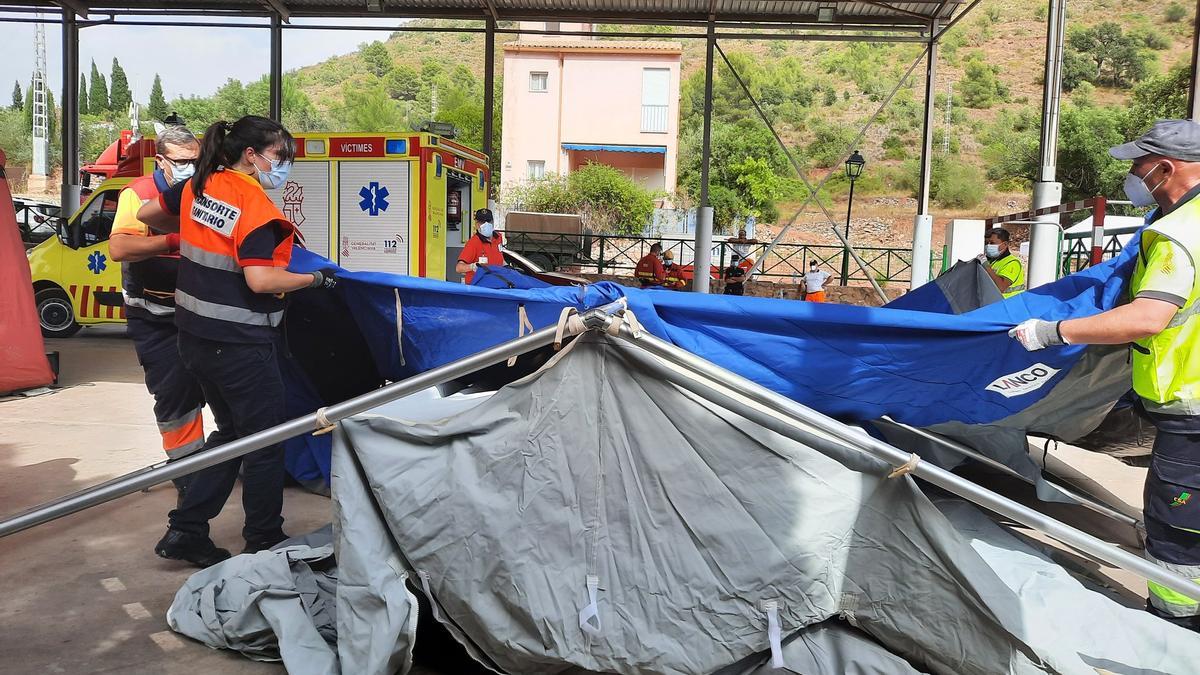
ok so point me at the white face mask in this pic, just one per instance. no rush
(991, 250)
(487, 230)
(1138, 193)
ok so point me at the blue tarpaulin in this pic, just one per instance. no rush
(858, 364)
(592, 147)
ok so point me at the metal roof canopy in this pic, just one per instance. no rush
(919, 21)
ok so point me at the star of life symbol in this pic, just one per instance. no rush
(374, 198)
(293, 202)
(96, 262)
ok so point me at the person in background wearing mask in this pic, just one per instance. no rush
(149, 265)
(1162, 325)
(235, 247)
(1005, 269)
(482, 249)
(649, 270)
(814, 283)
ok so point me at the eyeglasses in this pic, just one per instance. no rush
(180, 162)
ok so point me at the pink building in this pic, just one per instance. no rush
(570, 101)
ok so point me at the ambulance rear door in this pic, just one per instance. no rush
(305, 200)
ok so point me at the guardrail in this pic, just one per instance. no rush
(1078, 250)
(619, 254)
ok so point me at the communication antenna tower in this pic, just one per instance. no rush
(41, 112)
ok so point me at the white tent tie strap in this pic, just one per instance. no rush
(424, 576)
(774, 632)
(592, 610)
(523, 326)
(569, 324)
(324, 426)
(906, 468)
(399, 326)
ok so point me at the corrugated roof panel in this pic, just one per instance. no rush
(749, 10)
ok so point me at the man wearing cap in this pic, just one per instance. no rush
(481, 249)
(1161, 323)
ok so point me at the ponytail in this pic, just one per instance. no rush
(224, 144)
(211, 155)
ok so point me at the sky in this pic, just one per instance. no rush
(190, 60)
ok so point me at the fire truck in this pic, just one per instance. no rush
(391, 202)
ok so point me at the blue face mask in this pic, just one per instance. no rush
(180, 172)
(487, 230)
(276, 177)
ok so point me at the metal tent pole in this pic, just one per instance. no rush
(702, 256)
(1083, 500)
(787, 417)
(143, 478)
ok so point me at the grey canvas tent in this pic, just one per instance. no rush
(615, 513)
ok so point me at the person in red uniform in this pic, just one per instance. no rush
(649, 270)
(482, 249)
(235, 247)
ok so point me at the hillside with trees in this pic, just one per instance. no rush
(1123, 69)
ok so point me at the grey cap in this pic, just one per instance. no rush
(1177, 139)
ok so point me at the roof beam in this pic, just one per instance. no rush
(76, 6)
(893, 8)
(279, 8)
(490, 6)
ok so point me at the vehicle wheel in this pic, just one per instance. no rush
(546, 262)
(55, 313)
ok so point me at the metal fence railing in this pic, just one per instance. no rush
(1077, 248)
(619, 255)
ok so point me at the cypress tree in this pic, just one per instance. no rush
(118, 89)
(18, 98)
(158, 104)
(97, 93)
(83, 99)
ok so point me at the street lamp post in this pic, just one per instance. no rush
(854, 168)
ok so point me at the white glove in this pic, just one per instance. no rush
(1035, 334)
(982, 257)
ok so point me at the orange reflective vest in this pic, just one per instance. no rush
(217, 231)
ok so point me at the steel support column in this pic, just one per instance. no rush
(704, 218)
(275, 78)
(1044, 234)
(489, 86)
(70, 113)
(923, 223)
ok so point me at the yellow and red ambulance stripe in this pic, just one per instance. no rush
(84, 297)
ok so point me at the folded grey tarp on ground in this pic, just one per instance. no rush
(594, 517)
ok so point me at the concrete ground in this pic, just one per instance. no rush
(86, 594)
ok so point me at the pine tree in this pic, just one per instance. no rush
(18, 98)
(83, 99)
(98, 93)
(158, 104)
(119, 95)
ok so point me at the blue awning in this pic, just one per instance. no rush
(650, 149)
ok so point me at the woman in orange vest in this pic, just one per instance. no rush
(235, 246)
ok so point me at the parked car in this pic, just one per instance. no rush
(37, 221)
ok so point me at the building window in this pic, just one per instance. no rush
(536, 169)
(537, 81)
(656, 91)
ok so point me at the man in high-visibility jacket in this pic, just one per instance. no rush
(649, 270)
(150, 264)
(1002, 266)
(1162, 324)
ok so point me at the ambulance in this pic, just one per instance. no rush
(389, 202)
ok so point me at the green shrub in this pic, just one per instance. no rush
(1151, 39)
(894, 147)
(1175, 13)
(830, 97)
(1014, 184)
(953, 183)
(829, 145)
(981, 88)
(606, 199)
